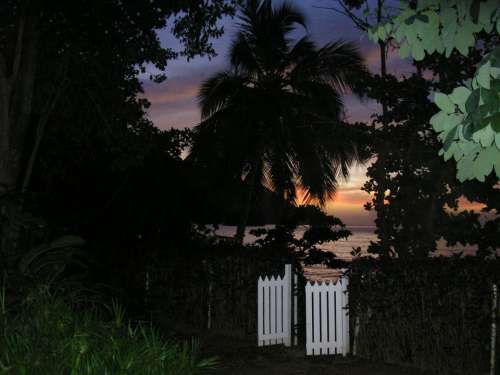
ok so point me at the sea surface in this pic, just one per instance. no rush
(361, 237)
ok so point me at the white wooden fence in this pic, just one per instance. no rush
(274, 304)
(327, 318)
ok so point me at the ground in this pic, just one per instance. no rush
(242, 357)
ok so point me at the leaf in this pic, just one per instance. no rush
(438, 121)
(409, 21)
(431, 41)
(497, 140)
(422, 18)
(472, 102)
(485, 160)
(449, 152)
(404, 51)
(468, 147)
(494, 121)
(444, 102)
(486, 10)
(381, 32)
(485, 136)
(483, 75)
(495, 72)
(490, 98)
(451, 136)
(417, 51)
(468, 132)
(464, 40)
(465, 168)
(459, 96)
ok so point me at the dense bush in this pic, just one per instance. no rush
(45, 335)
(210, 286)
(434, 314)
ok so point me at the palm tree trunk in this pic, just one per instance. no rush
(247, 204)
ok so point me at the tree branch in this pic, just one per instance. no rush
(16, 63)
(42, 124)
(345, 11)
(4, 124)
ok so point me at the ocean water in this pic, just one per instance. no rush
(361, 237)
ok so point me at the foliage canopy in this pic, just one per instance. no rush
(468, 122)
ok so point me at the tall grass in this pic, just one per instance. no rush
(46, 336)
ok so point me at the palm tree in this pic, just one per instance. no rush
(275, 117)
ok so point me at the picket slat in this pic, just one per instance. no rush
(260, 315)
(272, 292)
(324, 318)
(309, 319)
(266, 307)
(338, 317)
(331, 309)
(316, 317)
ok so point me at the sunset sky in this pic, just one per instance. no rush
(174, 104)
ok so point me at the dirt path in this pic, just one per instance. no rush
(239, 357)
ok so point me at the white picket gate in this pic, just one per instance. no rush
(274, 304)
(327, 318)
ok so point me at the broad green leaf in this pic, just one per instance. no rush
(490, 100)
(410, 20)
(430, 42)
(465, 168)
(472, 101)
(464, 40)
(439, 120)
(485, 136)
(497, 140)
(411, 36)
(451, 136)
(459, 96)
(433, 19)
(422, 18)
(449, 152)
(468, 147)
(485, 11)
(417, 51)
(485, 160)
(495, 72)
(404, 50)
(444, 102)
(439, 45)
(483, 75)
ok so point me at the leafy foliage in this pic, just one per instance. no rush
(45, 336)
(432, 313)
(469, 120)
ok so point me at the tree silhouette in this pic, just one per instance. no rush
(275, 117)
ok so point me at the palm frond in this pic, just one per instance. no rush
(339, 64)
(242, 56)
(217, 91)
